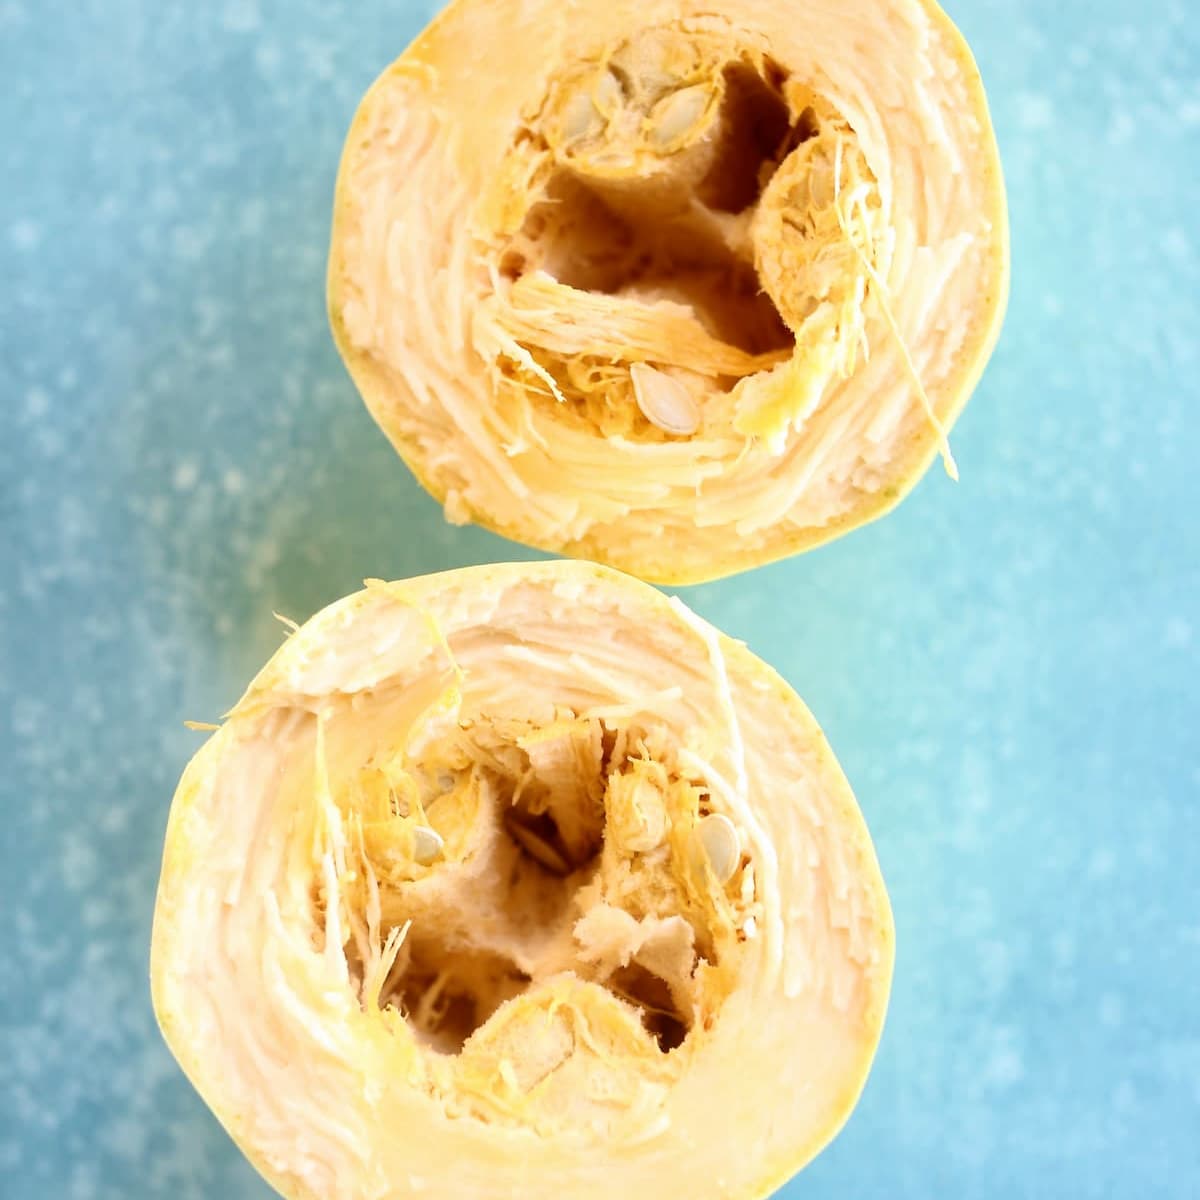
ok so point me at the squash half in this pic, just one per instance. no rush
(520, 881)
(681, 287)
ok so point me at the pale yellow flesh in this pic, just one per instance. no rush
(677, 290)
(520, 881)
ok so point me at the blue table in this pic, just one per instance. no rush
(1007, 668)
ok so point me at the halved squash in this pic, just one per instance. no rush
(677, 286)
(520, 881)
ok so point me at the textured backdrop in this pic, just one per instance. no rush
(1007, 668)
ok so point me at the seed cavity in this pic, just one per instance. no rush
(577, 861)
(665, 402)
(675, 173)
(716, 838)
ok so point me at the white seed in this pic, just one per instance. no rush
(675, 114)
(650, 822)
(580, 118)
(609, 93)
(427, 845)
(665, 402)
(540, 850)
(717, 838)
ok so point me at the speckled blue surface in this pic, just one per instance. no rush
(1007, 668)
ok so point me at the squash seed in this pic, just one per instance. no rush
(609, 93)
(538, 848)
(427, 845)
(581, 119)
(664, 401)
(717, 838)
(676, 114)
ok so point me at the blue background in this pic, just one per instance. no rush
(1007, 668)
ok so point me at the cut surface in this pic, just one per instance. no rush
(676, 289)
(496, 878)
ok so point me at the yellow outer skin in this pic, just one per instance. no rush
(665, 567)
(169, 960)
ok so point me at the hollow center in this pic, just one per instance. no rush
(501, 914)
(448, 993)
(679, 230)
(599, 238)
(754, 132)
(472, 952)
